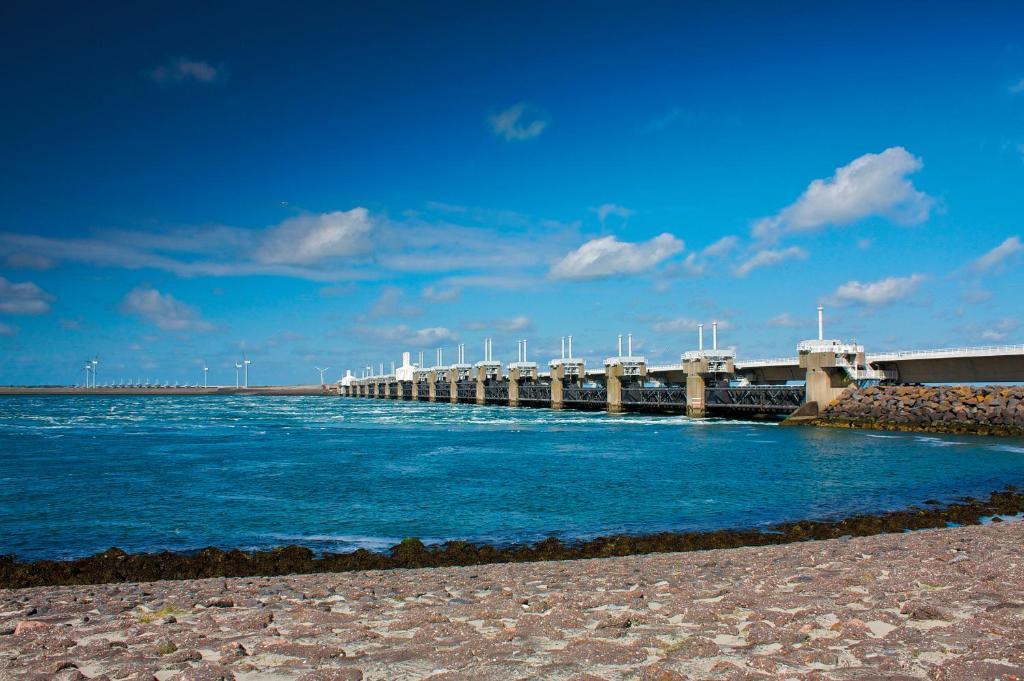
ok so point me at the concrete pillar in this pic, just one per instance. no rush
(558, 387)
(481, 385)
(453, 386)
(613, 382)
(514, 374)
(432, 386)
(695, 392)
(825, 381)
(414, 394)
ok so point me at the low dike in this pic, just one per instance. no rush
(977, 410)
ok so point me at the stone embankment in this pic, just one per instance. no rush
(984, 410)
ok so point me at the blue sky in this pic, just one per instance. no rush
(332, 185)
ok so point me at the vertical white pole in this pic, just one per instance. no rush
(563, 347)
(821, 323)
(392, 366)
(570, 347)
(629, 351)
(524, 351)
(620, 345)
(700, 336)
(714, 335)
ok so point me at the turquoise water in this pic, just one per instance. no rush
(81, 474)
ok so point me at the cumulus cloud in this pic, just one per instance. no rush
(998, 256)
(517, 123)
(7, 330)
(872, 185)
(23, 298)
(184, 70)
(767, 258)
(163, 310)
(440, 294)
(881, 292)
(609, 257)
(606, 210)
(305, 239)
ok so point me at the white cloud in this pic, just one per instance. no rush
(23, 298)
(872, 185)
(401, 335)
(784, 321)
(514, 325)
(605, 210)
(163, 310)
(768, 257)
(7, 330)
(183, 70)
(341, 246)
(999, 330)
(723, 246)
(28, 261)
(881, 292)
(518, 123)
(391, 303)
(997, 256)
(670, 117)
(439, 294)
(609, 257)
(306, 239)
(684, 324)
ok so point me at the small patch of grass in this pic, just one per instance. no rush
(147, 617)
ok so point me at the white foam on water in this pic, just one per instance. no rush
(936, 442)
(1008, 448)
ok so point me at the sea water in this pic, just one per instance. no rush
(80, 474)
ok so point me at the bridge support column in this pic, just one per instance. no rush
(481, 386)
(414, 392)
(557, 388)
(695, 390)
(613, 383)
(827, 373)
(432, 386)
(453, 386)
(514, 374)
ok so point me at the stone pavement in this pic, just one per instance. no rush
(935, 604)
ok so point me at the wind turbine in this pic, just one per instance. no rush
(95, 362)
(237, 367)
(246, 363)
(206, 370)
(321, 373)
(88, 365)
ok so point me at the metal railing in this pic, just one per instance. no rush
(496, 392)
(535, 392)
(465, 390)
(580, 395)
(947, 353)
(660, 396)
(769, 399)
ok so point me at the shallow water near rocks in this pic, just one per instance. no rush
(80, 474)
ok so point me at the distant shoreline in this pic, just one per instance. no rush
(164, 390)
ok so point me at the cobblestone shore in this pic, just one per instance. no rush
(935, 604)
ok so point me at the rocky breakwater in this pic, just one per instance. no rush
(985, 410)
